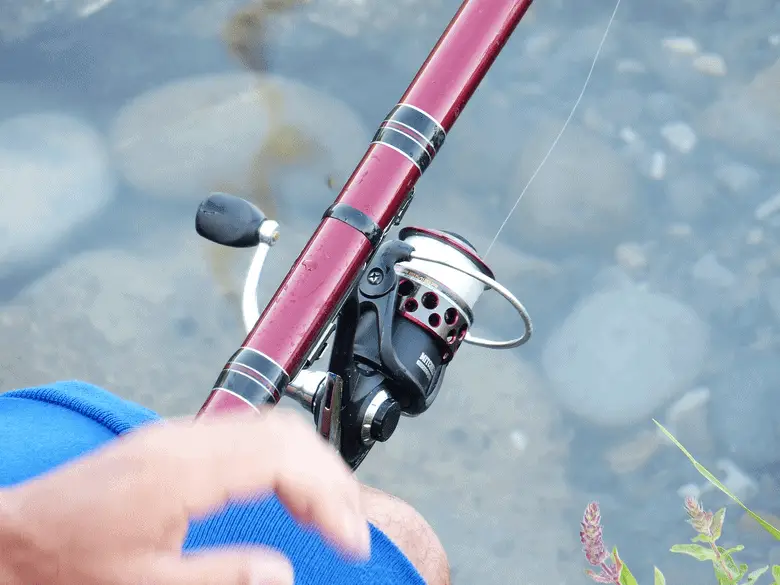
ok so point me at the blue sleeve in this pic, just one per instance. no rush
(41, 428)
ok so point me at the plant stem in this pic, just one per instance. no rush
(719, 557)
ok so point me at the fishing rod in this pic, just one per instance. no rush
(398, 310)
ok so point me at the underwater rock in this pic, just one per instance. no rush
(631, 256)
(623, 353)
(744, 408)
(687, 419)
(585, 190)
(143, 322)
(709, 270)
(748, 117)
(679, 136)
(628, 456)
(54, 175)
(228, 132)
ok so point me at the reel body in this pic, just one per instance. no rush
(395, 333)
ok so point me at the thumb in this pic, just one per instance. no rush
(227, 567)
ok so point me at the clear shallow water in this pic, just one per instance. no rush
(649, 189)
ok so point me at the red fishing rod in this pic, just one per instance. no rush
(397, 310)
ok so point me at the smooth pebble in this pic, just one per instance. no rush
(55, 174)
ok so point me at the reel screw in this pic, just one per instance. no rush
(375, 276)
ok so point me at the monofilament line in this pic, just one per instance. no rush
(563, 129)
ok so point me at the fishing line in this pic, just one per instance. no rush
(563, 129)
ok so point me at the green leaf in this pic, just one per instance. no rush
(625, 577)
(727, 570)
(751, 578)
(717, 523)
(701, 538)
(724, 580)
(742, 570)
(776, 574)
(714, 481)
(659, 578)
(736, 571)
(697, 551)
(728, 551)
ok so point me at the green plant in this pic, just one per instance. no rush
(703, 547)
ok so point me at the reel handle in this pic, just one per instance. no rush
(229, 221)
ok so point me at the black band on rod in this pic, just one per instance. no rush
(356, 219)
(254, 377)
(413, 133)
(420, 123)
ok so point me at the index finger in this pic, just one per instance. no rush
(212, 461)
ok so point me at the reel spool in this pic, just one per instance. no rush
(446, 277)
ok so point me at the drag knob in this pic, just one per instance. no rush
(385, 420)
(229, 220)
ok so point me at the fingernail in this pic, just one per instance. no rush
(269, 570)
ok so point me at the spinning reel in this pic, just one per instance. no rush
(395, 334)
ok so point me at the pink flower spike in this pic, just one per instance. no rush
(700, 519)
(591, 536)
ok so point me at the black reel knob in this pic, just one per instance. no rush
(385, 420)
(229, 220)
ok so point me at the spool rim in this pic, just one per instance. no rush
(450, 240)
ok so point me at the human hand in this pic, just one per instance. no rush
(120, 515)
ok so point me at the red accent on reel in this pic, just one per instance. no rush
(452, 242)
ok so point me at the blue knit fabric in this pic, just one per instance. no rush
(41, 428)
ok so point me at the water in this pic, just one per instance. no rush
(658, 187)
